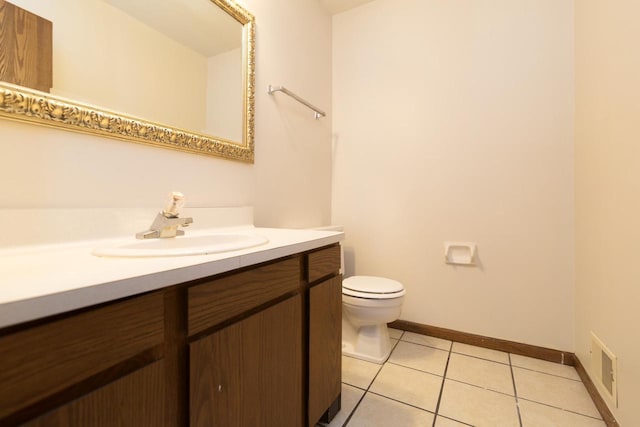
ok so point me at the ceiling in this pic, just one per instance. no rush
(198, 24)
(337, 6)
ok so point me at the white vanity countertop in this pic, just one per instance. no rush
(43, 280)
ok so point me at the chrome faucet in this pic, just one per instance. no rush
(167, 221)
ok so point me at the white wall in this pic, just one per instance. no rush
(289, 184)
(293, 166)
(224, 103)
(608, 190)
(454, 121)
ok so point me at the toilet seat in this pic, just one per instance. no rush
(372, 287)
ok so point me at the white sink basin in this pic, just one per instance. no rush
(183, 245)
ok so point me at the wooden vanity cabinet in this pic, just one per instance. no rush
(91, 367)
(249, 373)
(324, 284)
(254, 347)
(245, 351)
(137, 399)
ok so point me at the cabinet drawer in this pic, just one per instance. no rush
(323, 263)
(214, 302)
(43, 360)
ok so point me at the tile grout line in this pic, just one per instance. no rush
(354, 409)
(401, 402)
(414, 369)
(547, 404)
(444, 376)
(477, 357)
(450, 379)
(428, 345)
(560, 409)
(346, 422)
(480, 358)
(480, 387)
(547, 373)
(515, 390)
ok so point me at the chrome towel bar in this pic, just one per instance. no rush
(317, 112)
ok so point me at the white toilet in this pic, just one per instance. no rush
(368, 304)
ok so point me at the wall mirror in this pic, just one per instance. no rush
(177, 74)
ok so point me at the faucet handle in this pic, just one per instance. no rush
(175, 202)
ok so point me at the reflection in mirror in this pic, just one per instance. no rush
(187, 64)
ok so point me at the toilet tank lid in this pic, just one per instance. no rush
(372, 285)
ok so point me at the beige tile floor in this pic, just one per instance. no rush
(437, 383)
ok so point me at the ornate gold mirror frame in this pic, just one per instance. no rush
(26, 105)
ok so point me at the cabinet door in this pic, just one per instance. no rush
(135, 400)
(325, 347)
(250, 373)
(52, 360)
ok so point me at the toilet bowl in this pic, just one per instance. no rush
(368, 304)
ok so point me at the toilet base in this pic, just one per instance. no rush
(371, 343)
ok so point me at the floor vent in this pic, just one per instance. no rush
(604, 367)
